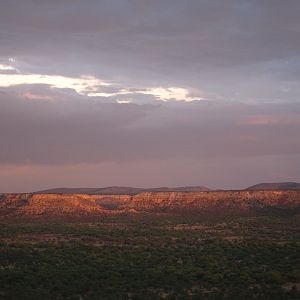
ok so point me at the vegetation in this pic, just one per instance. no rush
(151, 258)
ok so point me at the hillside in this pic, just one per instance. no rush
(275, 186)
(125, 190)
(121, 190)
(76, 205)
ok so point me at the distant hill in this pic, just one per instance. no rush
(121, 190)
(113, 190)
(275, 186)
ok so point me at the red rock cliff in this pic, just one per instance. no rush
(77, 205)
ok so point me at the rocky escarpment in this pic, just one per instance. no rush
(57, 205)
(48, 205)
(220, 200)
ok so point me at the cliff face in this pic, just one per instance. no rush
(168, 202)
(221, 200)
(48, 205)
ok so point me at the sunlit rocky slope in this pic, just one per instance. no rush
(57, 205)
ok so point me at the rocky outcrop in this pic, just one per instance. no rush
(49, 205)
(220, 200)
(57, 205)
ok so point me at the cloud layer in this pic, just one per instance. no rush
(135, 92)
(202, 137)
(246, 50)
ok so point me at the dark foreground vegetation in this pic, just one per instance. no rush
(151, 258)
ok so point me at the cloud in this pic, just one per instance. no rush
(265, 120)
(89, 86)
(75, 130)
(6, 68)
(108, 89)
(75, 140)
(159, 93)
(124, 101)
(32, 96)
(82, 85)
(240, 50)
(172, 93)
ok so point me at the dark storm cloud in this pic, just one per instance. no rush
(52, 132)
(191, 43)
(71, 140)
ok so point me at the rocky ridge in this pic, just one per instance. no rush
(122, 190)
(57, 205)
(275, 186)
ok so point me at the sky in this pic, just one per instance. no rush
(148, 93)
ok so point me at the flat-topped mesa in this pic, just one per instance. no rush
(220, 200)
(51, 204)
(58, 205)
